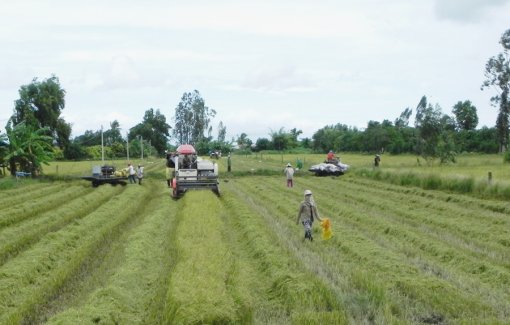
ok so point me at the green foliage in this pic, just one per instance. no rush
(118, 149)
(3, 147)
(222, 132)
(89, 138)
(192, 118)
(243, 141)
(434, 133)
(337, 138)
(75, 152)
(204, 147)
(497, 74)
(153, 129)
(506, 156)
(96, 152)
(113, 135)
(40, 105)
(465, 115)
(282, 140)
(262, 144)
(29, 148)
(464, 185)
(58, 154)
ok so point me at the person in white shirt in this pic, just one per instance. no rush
(289, 172)
(131, 174)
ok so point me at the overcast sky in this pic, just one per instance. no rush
(261, 65)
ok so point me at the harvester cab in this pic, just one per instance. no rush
(192, 172)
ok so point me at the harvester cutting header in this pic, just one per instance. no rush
(191, 171)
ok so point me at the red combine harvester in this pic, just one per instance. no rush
(191, 171)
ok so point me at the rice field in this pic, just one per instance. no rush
(74, 254)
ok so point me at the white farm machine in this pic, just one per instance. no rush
(191, 171)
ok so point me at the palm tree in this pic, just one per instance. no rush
(28, 148)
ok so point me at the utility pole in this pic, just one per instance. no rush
(141, 146)
(102, 147)
(127, 145)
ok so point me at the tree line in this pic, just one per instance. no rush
(36, 133)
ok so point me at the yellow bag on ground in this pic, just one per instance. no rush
(326, 229)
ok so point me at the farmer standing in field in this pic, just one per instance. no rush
(377, 160)
(289, 172)
(307, 214)
(131, 174)
(139, 174)
(170, 167)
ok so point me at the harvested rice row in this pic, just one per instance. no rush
(17, 237)
(290, 292)
(361, 303)
(129, 291)
(31, 208)
(198, 289)
(443, 222)
(476, 275)
(456, 207)
(35, 275)
(475, 278)
(382, 261)
(457, 223)
(466, 200)
(481, 240)
(24, 193)
(371, 214)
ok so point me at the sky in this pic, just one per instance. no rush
(261, 65)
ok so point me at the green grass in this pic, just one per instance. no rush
(362, 237)
(411, 245)
(17, 237)
(30, 207)
(129, 291)
(37, 274)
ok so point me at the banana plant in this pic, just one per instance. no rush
(28, 148)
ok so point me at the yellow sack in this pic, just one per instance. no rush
(326, 229)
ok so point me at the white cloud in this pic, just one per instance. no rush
(262, 65)
(466, 10)
(283, 78)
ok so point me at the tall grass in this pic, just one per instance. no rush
(198, 291)
(444, 272)
(465, 185)
(130, 290)
(30, 208)
(17, 237)
(291, 289)
(24, 193)
(37, 274)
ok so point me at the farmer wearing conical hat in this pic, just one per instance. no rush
(289, 173)
(307, 214)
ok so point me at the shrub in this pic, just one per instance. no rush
(506, 157)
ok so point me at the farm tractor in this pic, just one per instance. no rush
(191, 171)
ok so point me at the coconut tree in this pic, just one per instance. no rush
(28, 148)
